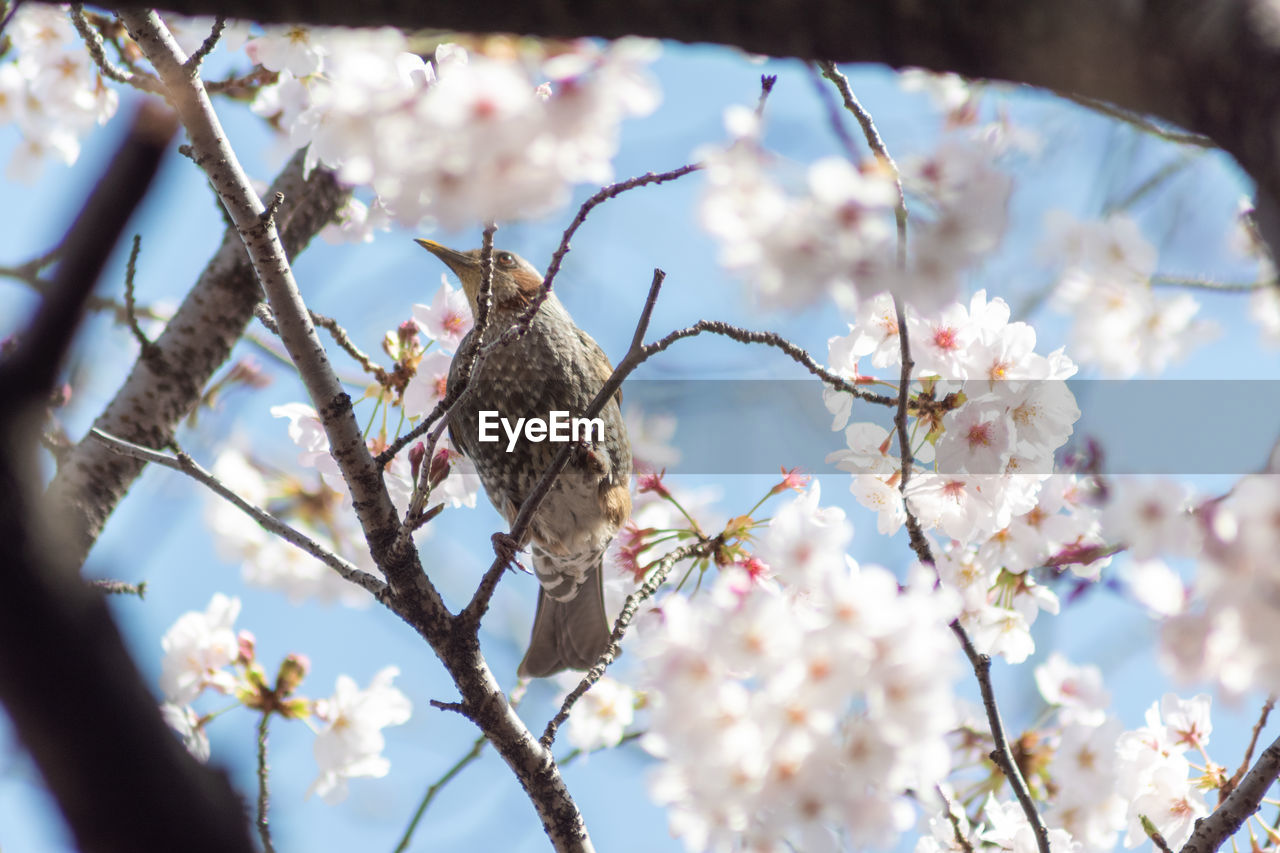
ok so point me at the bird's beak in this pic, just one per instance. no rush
(453, 259)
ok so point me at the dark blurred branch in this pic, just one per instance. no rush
(1203, 65)
(121, 779)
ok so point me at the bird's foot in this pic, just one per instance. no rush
(506, 547)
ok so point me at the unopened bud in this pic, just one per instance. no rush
(416, 453)
(439, 468)
(245, 643)
(293, 669)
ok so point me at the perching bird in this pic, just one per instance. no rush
(555, 366)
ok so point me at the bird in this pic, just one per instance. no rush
(553, 366)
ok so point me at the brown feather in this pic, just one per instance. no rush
(616, 503)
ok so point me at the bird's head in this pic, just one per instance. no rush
(515, 281)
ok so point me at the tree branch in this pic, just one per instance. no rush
(185, 464)
(1002, 756)
(162, 390)
(414, 598)
(264, 791)
(1231, 813)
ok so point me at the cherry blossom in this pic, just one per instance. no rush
(1009, 830)
(601, 717)
(473, 138)
(1227, 631)
(1076, 691)
(1151, 516)
(186, 722)
(782, 714)
(1121, 326)
(197, 648)
(50, 89)
(1154, 772)
(351, 744)
(428, 385)
(447, 319)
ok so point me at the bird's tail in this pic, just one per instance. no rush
(568, 634)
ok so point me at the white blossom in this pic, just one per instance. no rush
(351, 743)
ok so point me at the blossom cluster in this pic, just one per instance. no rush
(1121, 325)
(1222, 629)
(1227, 633)
(1104, 781)
(49, 89)
(1154, 772)
(203, 651)
(786, 712)
(990, 413)
(1088, 803)
(462, 139)
(836, 235)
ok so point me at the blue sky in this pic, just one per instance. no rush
(157, 533)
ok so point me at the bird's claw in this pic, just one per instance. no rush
(506, 547)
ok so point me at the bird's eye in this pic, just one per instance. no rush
(506, 259)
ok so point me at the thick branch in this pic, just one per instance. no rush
(1231, 813)
(161, 390)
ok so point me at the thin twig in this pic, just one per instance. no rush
(93, 42)
(130, 306)
(854, 106)
(184, 463)
(656, 579)
(577, 752)
(773, 339)
(111, 587)
(9, 12)
(262, 311)
(264, 830)
(192, 65)
(29, 272)
(521, 326)
(961, 839)
(1191, 282)
(1002, 755)
(767, 82)
(342, 339)
(472, 754)
(456, 707)
(1230, 785)
(818, 70)
(1153, 182)
(1146, 125)
(244, 85)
